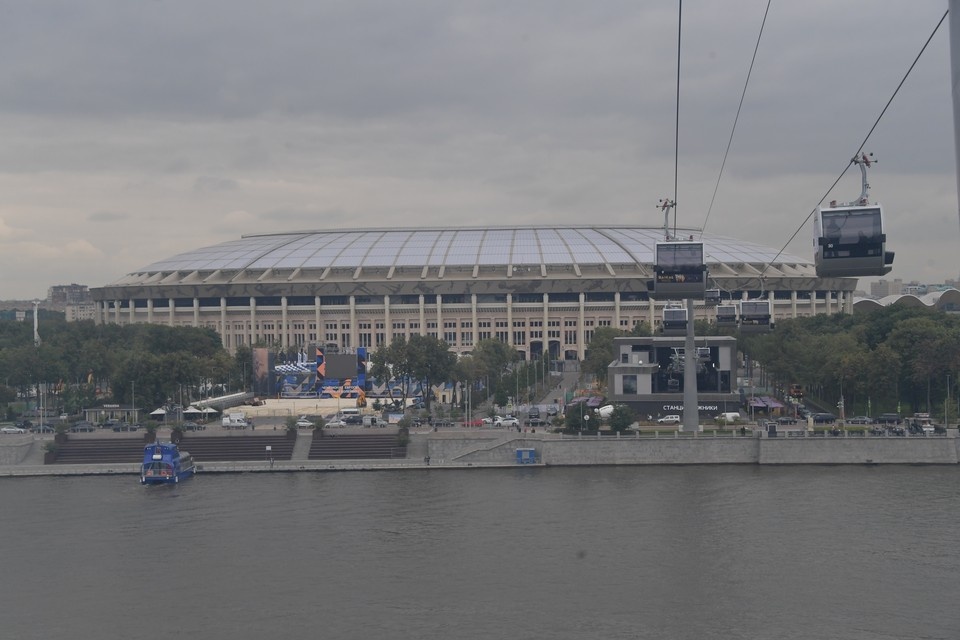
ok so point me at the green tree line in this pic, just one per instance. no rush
(895, 358)
(82, 364)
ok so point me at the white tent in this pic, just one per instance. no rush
(192, 410)
(208, 411)
(159, 412)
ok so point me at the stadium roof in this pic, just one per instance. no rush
(469, 246)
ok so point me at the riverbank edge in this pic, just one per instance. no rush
(492, 451)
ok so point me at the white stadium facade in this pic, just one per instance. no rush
(539, 289)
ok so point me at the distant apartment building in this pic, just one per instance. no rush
(80, 311)
(883, 288)
(61, 295)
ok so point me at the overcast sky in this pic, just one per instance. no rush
(132, 131)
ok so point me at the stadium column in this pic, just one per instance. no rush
(652, 315)
(387, 329)
(149, 310)
(196, 312)
(423, 318)
(354, 331)
(813, 303)
(252, 329)
(546, 324)
(316, 318)
(793, 303)
(616, 310)
(171, 309)
(130, 309)
(440, 318)
(284, 331)
(581, 327)
(474, 327)
(224, 340)
(510, 319)
(848, 303)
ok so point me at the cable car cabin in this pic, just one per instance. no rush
(712, 296)
(675, 321)
(755, 316)
(680, 272)
(850, 242)
(727, 315)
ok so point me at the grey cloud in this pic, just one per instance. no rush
(107, 216)
(214, 184)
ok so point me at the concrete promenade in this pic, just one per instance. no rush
(490, 448)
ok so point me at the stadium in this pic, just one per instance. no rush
(540, 289)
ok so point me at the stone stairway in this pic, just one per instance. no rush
(356, 446)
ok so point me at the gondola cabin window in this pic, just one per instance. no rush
(680, 271)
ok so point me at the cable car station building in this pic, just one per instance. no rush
(539, 289)
(647, 375)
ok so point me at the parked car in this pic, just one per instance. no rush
(23, 424)
(193, 426)
(42, 428)
(509, 421)
(824, 418)
(123, 426)
(337, 424)
(12, 430)
(304, 422)
(552, 410)
(83, 427)
(860, 420)
(353, 419)
(889, 418)
(786, 420)
(670, 419)
(536, 422)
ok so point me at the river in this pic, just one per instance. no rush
(678, 552)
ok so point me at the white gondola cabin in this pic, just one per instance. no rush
(849, 239)
(755, 316)
(675, 321)
(727, 315)
(711, 296)
(680, 271)
(850, 242)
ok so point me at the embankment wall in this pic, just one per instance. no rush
(699, 450)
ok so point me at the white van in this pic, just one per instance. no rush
(234, 421)
(729, 417)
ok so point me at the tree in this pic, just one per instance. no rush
(430, 360)
(600, 352)
(579, 418)
(621, 418)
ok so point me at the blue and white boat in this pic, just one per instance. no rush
(164, 463)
